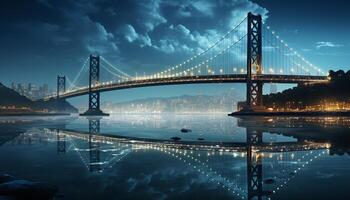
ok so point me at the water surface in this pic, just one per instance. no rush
(148, 157)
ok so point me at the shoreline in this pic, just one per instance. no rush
(290, 113)
(33, 114)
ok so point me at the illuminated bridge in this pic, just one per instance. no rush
(250, 53)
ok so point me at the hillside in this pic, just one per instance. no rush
(10, 98)
(336, 90)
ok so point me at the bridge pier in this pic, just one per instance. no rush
(94, 95)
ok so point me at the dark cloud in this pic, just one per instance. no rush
(112, 27)
(138, 36)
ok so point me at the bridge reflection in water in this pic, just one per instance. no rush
(269, 165)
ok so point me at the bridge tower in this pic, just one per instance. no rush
(61, 88)
(94, 95)
(61, 85)
(94, 145)
(254, 63)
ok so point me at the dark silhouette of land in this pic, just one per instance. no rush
(12, 103)
(336, 90)
(310, 99)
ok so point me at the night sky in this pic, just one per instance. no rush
(43, 38)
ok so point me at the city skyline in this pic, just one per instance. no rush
(32, 91)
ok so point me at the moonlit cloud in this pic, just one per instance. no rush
(130, 33)
(136, 35)
(179, 28)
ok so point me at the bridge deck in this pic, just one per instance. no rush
(230, 78)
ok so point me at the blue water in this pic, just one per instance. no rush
(137, 157)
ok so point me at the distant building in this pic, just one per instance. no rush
(29, 87)
(45, 90)
(13, 86)
(30, 90)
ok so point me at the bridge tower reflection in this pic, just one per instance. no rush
(94, 144)
(255, 165)
(61, 142)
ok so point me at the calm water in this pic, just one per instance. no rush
(148, 157)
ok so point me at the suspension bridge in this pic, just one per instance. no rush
(250, 53)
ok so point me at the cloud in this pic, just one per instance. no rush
(150, 12)
(92, 35)
(162, 25)
(130, 33)
(320, 45)
(170, 46)
(240, 8)
(74, 26)
(196, 8)
(165, 25)
(135, 32)
(217, 18)
(132, 36)
(184, 12)
(204, 7)
(183, 30)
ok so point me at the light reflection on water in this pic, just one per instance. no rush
(134, 157)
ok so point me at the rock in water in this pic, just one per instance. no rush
(185, 130)
(175, 138)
